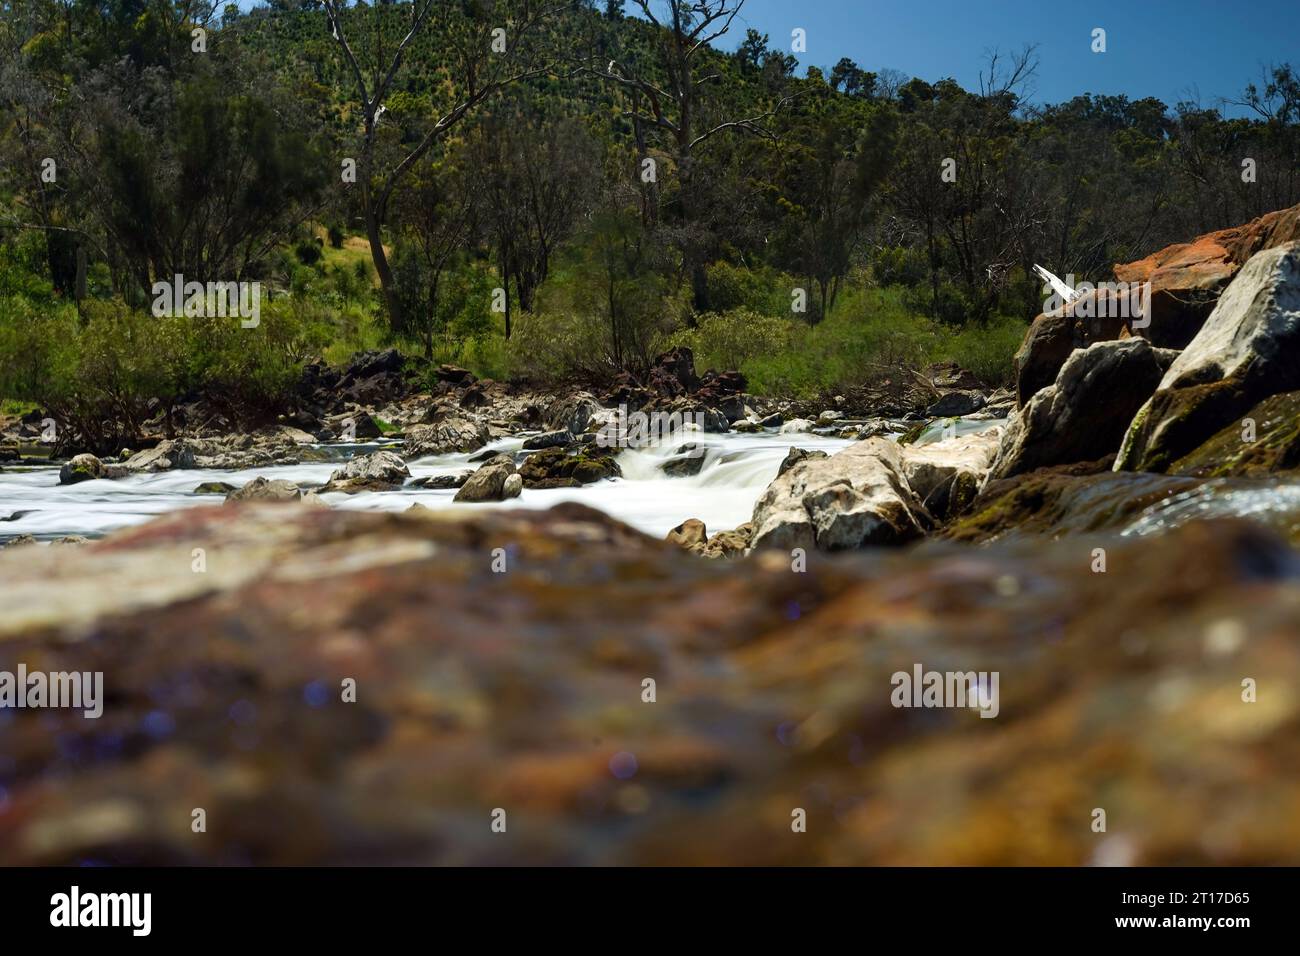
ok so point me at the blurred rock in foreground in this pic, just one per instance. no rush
(523, 690)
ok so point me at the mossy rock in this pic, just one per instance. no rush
(214, 488)
(1176, 421)
(1276, 444)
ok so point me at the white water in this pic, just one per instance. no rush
(735, 471)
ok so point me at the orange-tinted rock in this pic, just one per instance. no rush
(1186, 278)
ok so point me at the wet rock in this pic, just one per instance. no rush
(688, 460)
(573, 413)
(488, 482)
(729, 544)
(1244, 353)
(955, 404)
(853, 499)
(83, 467)
(513, 486)
(553, 439)
(796, 455)
(1264, 442)
(775, 420)
(266, 489)
(380, 471)
(796, 426)
(441, 482)
(18, 540)
(1084, 414)
(214, 488)
(449, 436)
(690, 535)
(164, 456)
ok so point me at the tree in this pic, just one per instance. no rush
(485, 47)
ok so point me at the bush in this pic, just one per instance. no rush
(728, 340)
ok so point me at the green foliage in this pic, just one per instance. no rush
(732, 339)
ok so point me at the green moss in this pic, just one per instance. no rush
(1276, 445)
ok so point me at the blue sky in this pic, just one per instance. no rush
(1170, 49)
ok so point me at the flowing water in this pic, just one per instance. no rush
(735, 470)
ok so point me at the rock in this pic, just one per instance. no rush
(853, 499)
(1079, 499)
(441, 482)
(729, 544)
(165, 456)
(1052, 338)
(796, 455)
(1273, 447)
(771, 421)
(214, 488)
(965, 459)
(796, 426)
(1243, 354)
(690, 535)
(474, 397)
(956, 404)
(672, 373)
(519, 689)
(266, 489)
(364, 427)
(555, 468)
(572, 413)
(380, 471)
(488, 483)
(70, 539)
(83, 467)
(454, 375)
(18, 540)
(829, 417)
(513, 486)
(1187, 278)
(688, 461)
(1083, 416)
(449, 436)
(553, 439)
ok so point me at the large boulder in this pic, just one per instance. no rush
(380, 471)
(1187, 278)
(267, 489)
(450, 436)
(84, 467)
(164, 456)
(855, 498)
(489, 482)
(1265, 441)
(1246, 351)
(571, 413)
(556, 468)
(1083, 415)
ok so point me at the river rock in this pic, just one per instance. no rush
(214, 488)
(164, 456)
(442, 482)
(572, 413)
(690, 535)
(380, 471)
(512, 487)
(1266, 441)
(449, 436)
(488, 482)
(852, 499)
(556, 468)
(1053, 336)
(1084, 414)
(1243, 354)
(687, 461)
(83, 467)
(266, 489)
(796, 426)
(553, 439)
(796, 455)
(957, 403)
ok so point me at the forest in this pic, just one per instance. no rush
(554, 192)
